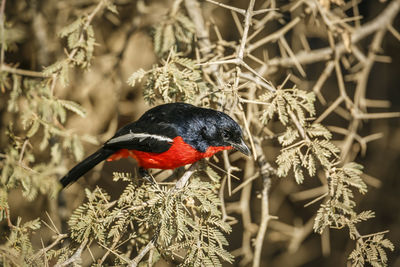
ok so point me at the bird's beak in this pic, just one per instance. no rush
(242, 147)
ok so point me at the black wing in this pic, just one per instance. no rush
(152, 137)
(155, 129)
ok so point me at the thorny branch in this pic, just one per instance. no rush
(382, 21)
(76, 256)
(185, 177)
(43, 251)
(266, 172)
(332, 54)
(246, 190)
(142, 253)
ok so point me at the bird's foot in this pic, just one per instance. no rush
(147, 176)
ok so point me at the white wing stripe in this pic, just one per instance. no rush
(141, 136)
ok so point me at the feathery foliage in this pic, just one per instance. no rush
(18, 248)
(307, 146)
(186, 220)
(178, 79)
(371, 249)
(177, 30)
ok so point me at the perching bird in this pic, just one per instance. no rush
(167, 137)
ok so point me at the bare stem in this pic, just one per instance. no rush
(44, 250)
(185, 177)
(30, 73)
(266, 171)
(142, 253)
(307, 57)
(75, 257)
(2, 41)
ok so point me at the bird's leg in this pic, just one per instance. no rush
(177, 173)
(147, 176)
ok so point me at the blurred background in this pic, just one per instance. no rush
(124, 44)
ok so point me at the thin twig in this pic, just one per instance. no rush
(142, 253)
(30, 73)
(274, 36)
(75, 257)
(2, 40)
(238, 10)
(298, 126)
(8, 217)
(89, 19)
(45, 249)
(228, 168)
(248, 227)
(307, 57)
(246, 182)
(114, 244)
(185, 177)
(246, 27)
(21, 154)
(383, 115)
(223, 170)
(265, 171)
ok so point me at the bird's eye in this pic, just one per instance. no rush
(226, 135)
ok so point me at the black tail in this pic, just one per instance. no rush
(86, 165)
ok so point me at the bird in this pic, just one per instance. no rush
(167, 136)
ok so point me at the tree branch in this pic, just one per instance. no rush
(75, 257)
(266, 171)
(307, 57)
